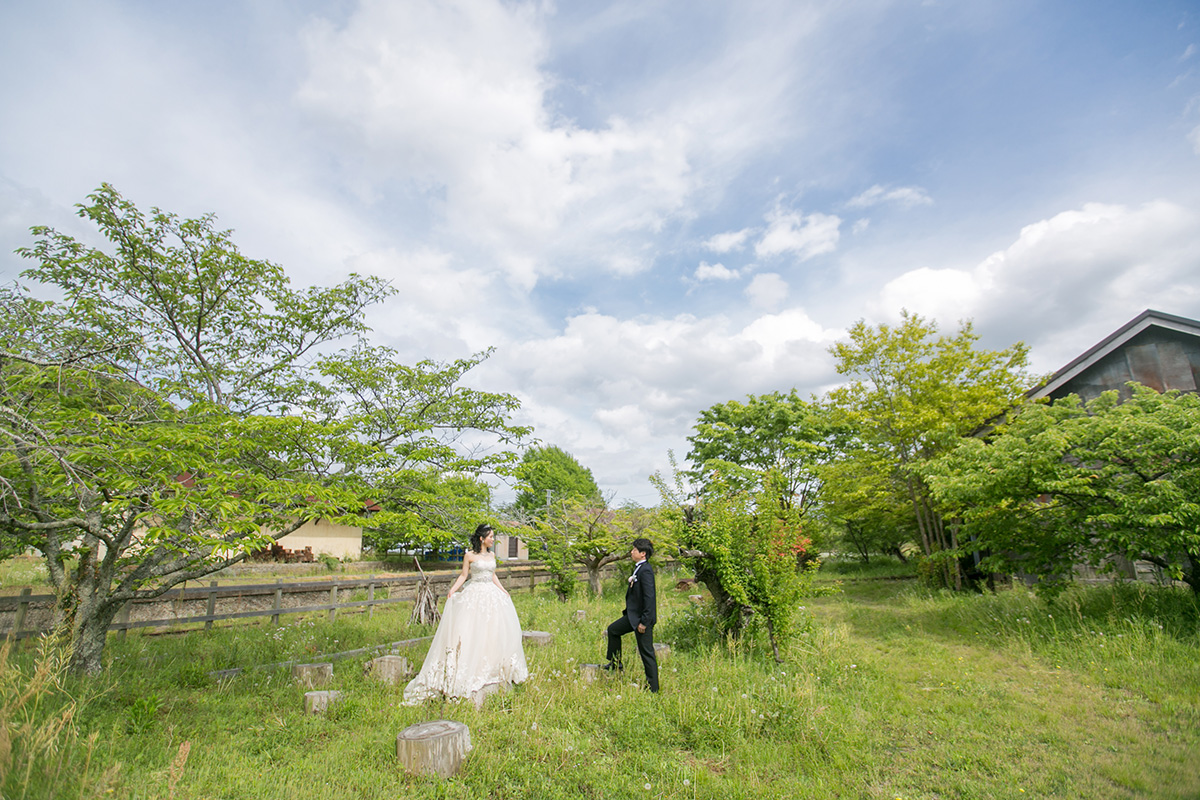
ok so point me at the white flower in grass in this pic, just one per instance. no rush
(647, 787)
(686, 782)
(744, 695)
(534, 726)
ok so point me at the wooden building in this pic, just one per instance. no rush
(1155, 349)
(1158, 350)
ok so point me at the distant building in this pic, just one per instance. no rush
(1158, 350)
(325, 538)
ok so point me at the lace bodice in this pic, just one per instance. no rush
(482, 569)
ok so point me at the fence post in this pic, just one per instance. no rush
(532, 576)
(278, 601)
(123, 620)
(212, 604)
(22, 610)
(333, 602)
(371, 598)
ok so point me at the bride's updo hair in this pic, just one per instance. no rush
(478, 536)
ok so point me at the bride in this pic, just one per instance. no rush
(477, 647)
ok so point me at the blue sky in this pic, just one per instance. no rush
(646, 207)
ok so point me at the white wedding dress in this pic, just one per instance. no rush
(477, 646)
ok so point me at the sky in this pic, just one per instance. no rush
(646, 208)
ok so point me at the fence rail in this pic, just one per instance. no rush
(149, 612)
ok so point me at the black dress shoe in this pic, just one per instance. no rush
(610, 666)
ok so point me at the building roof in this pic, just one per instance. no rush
(1143, 322)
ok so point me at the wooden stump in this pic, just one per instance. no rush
(391, 670)
(313, 675)
(696, 598)
(433, 748)
(590, 672)
(539, 638)
(661, 649)
(581, 615)
(319, 702)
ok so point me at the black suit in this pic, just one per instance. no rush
(640, 609)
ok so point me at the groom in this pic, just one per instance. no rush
(640, 614)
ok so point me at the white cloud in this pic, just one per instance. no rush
(804, 236)
(767, 290)
(725, 242)
(1067, 281)
(1188, 53)
(451, 98)
(714, 272)
(609, 389)
(906, 196)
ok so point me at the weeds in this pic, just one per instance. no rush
(888, 691)
(40, 747)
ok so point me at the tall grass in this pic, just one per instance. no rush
(892, 692)
(42, 752)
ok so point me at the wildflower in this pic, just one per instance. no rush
(686, 782)
(647, 787)
(533, 726)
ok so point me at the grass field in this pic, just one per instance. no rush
(891, 692)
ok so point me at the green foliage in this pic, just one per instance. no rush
(143, 713)
(1088, 698)
(1069, 483)
(182, 404)
(913, 396)
(43, 752)
(746, 550)
(777, 434)
(550, 475)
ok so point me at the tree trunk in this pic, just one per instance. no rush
(774, 644)
(593, 573)
(89, 621)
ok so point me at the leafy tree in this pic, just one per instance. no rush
(1068, 483)
(744, 547)
(182, 404)
(441, 509)
(914, 396)
(549, 474)
(860, 495)
(593, 535)
(773, 434)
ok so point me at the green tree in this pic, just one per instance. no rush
(549, 474)
(181, 404)
(773, 434)
(860, 495)
(745, 548)
(1068, 483)
(914, 395)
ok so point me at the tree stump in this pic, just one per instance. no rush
(661, 649)
(433, 748)
(313, 675)
(319, 702)
(391, 670)
(539, 638)
(696, 598)
(590, 672)
(581, 615)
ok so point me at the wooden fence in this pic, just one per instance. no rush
(245, 601)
